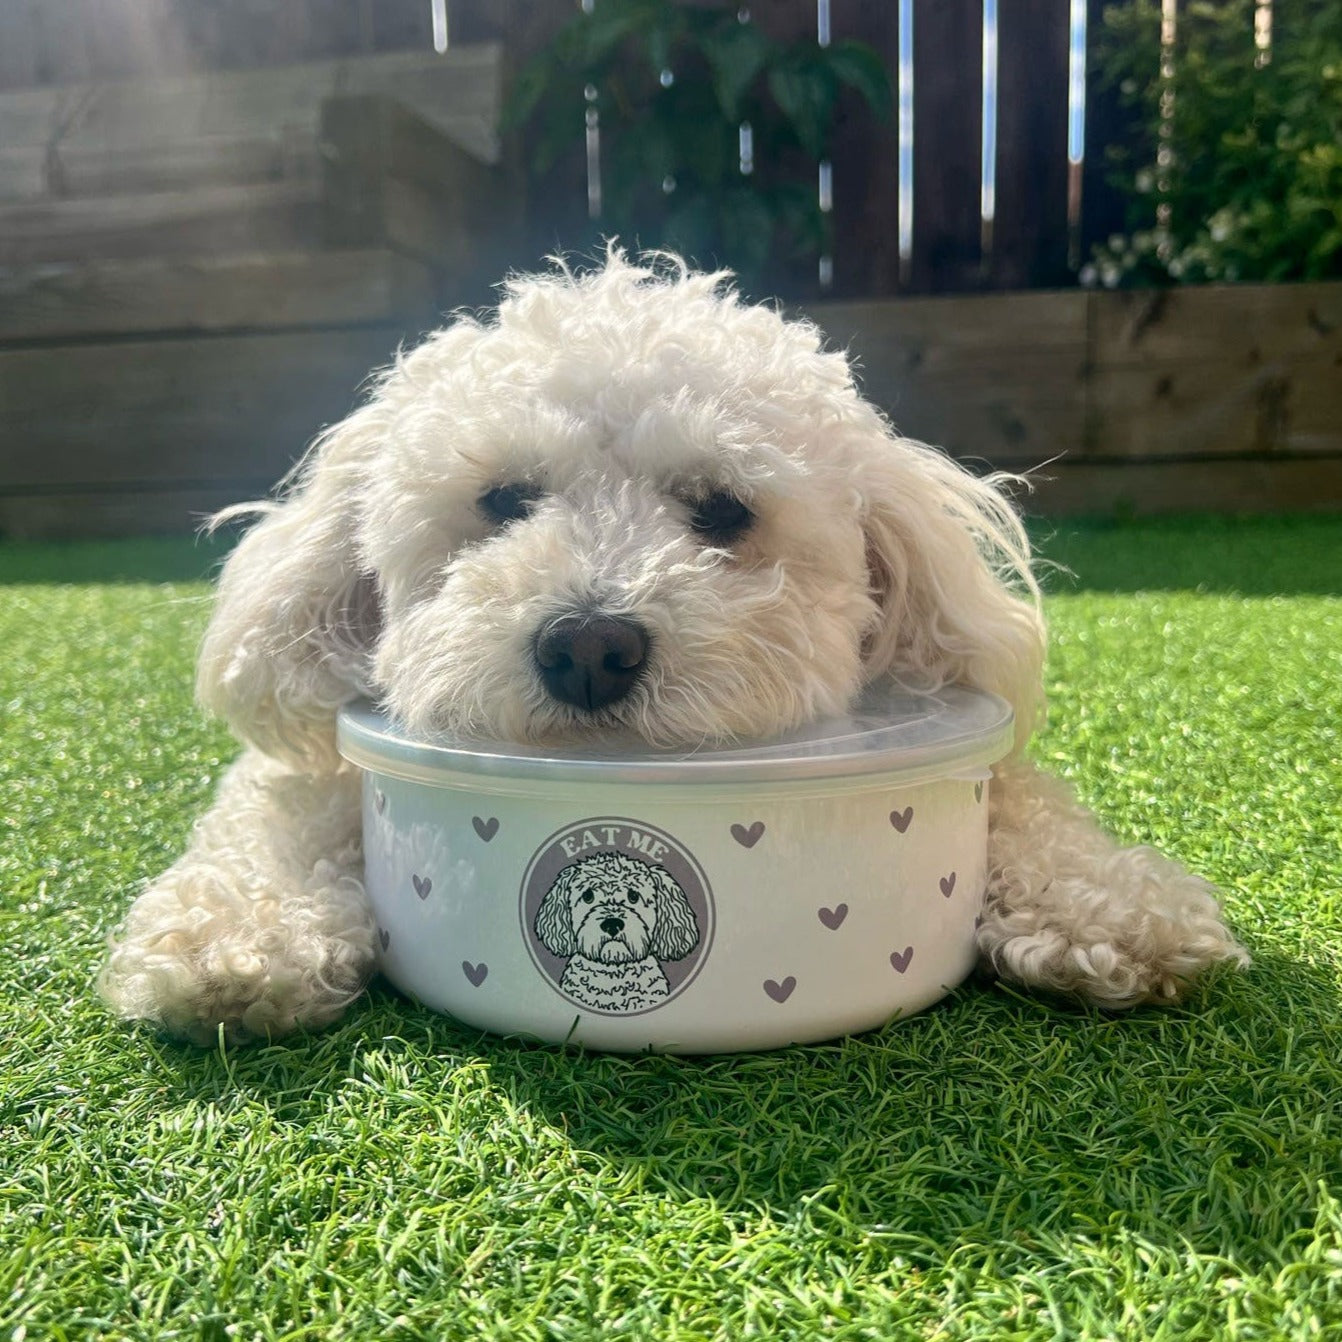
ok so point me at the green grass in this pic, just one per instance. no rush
(998, 1168)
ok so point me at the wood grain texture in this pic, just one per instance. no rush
(947, 143)
(258, 291)
(459, 92)
(180, 412)
(1231, 485)
(1030, 230)
(1197, 379)
(205, 220)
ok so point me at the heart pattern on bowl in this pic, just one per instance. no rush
(486, 829)
(422, 884)
(900, 959)
(379, 800)
(901, 820)
(384, 937)
(748, 838)
(978, 791)
(780, 992)
(833, 918)
(948, 884)
(476, 973)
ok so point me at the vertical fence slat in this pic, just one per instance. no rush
(18, 45)
(866, 164)
(1102, 207)
(947, 136)
(1030, 230)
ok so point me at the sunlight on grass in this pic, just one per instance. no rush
(1000, 1167)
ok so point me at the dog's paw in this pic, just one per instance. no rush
(1145, 936)
(204, 950)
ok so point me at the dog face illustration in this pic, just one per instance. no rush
(615, 909)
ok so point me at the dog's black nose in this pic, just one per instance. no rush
(612, 927)
(591, 660)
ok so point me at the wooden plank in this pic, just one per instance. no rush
(391, 177)
(1030, 230)
(866, 164)
(1103, 206)
(1022, 410)
(931, 333)
(18, 45)
(947, 144)
(256, 217)
(185, 412)
(230, 293)
(35, 174)
(1227, 485)
(459, 92)
(1240, 326)
(984, 377)
(1176, 408)
(144, 511)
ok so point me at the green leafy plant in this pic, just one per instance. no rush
(1234, 169)
(672, 85)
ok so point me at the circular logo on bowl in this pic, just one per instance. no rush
(617, 915)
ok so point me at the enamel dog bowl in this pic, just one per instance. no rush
(714, 901)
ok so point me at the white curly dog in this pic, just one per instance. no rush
(628, 502)
(616, 918)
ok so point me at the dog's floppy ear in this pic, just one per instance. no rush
(676, 932)
(554, 918)
(949, 563)
(296, 613)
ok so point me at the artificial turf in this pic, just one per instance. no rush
(1000, 1167)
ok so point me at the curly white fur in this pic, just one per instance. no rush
(622, 397)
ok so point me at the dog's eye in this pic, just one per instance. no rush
(587, 896)
(721, 517)
(633, 896)
(509, 503)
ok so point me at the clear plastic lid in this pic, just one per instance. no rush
(890, 730)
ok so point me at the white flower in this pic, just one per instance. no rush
(1088, 275)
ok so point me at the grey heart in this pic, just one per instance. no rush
(900, 959)
(384, 937)
(422, 884)
(380, 801)
(780, 992)
(901, 820)
(748, 838)
(486, 829)
(476, 973)
(978, 791)
(833, 918)
(948, 884)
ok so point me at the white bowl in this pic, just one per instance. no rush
(704, 902)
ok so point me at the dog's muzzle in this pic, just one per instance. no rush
(590, 660)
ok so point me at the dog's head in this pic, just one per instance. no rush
(615, 909)
(629, 503)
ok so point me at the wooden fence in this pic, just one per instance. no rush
(45, 42)
(216, 217)
(1220, 399)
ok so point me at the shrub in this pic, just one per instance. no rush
(672, 85)
(1234, 167)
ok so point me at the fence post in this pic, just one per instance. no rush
(1030, 230)
(947, 140)
(866, 164)
(1102, 206)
